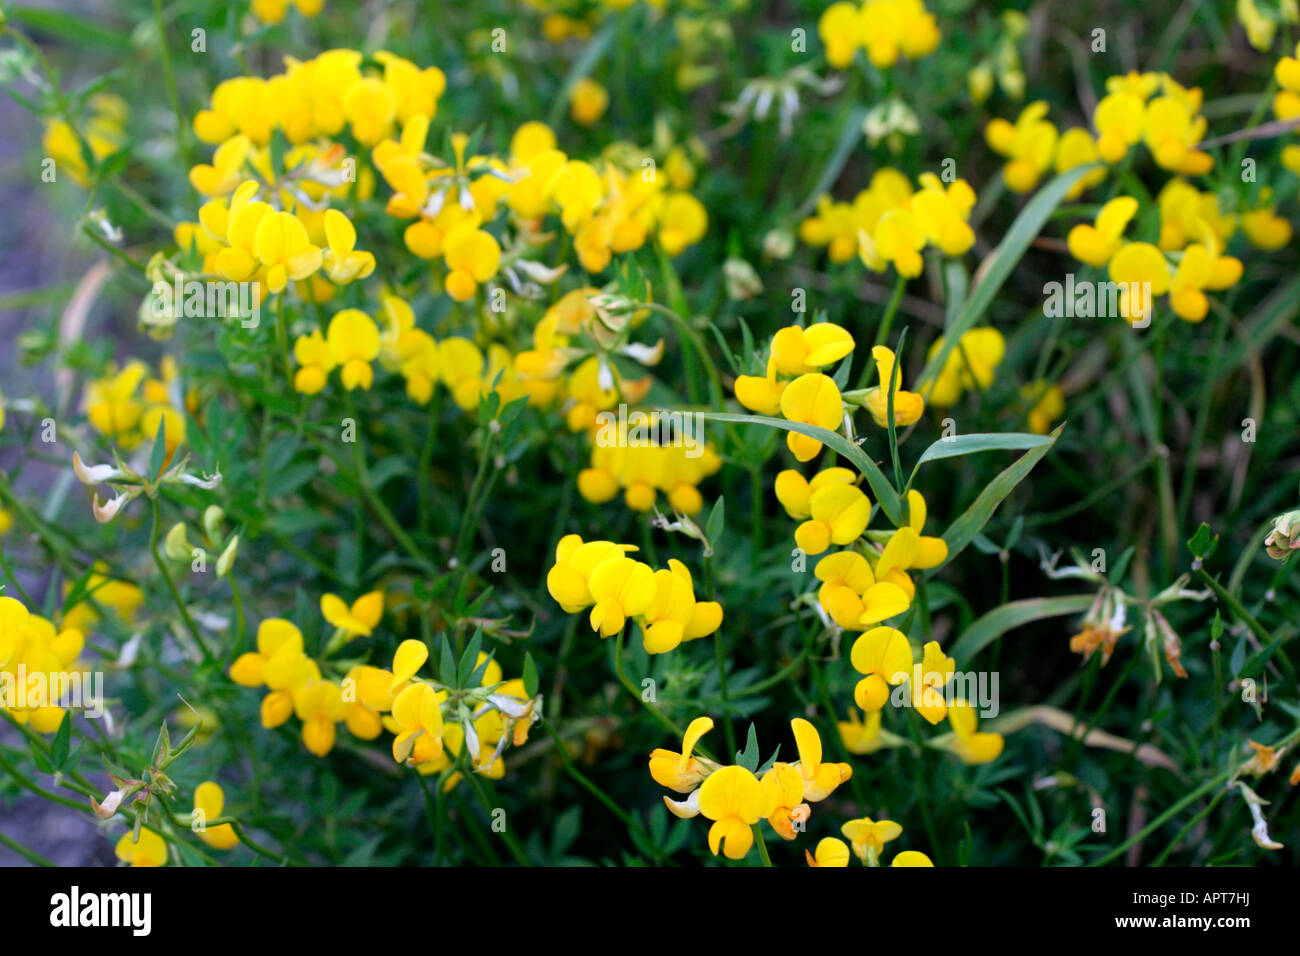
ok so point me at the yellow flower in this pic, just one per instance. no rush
(733, 798)
(1139, 267)
(943, 213)
(1076, 147)
(798, 351)
(859, 736)
(472, 257)
(834, 225)
(282, 245)
(587, 101)
(1049, 405)
(209, 800)
(682, 222)
(621, 587)
(417, 718)
(1096, 244)
(575, 560)
(1264, 227)
(795, 492)
(819, 779)
(683, 772)
(279, 663)
(1029, 145)
(899, 238)
(908, 406)
(273, 11)
(854, 596)
(868, 837)
(838, 29)
(936, 670)
(674, 615)
(761, 394)
(1172, 129)
(319, 704)
(353, 340)
(907, 548)
(341, 261)
(226, 170)
(784, 786)
(149, 850)
(911, 858)
(315, 362)
(811, 399)
(1119, 119)
(370, 107)
(1201, 268)
(112, 405)
(831, 851)
(885, 657)
(839, 515)
(967, 743)
(970, 365)
(359, 620)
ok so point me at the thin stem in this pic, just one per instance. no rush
(171, 584)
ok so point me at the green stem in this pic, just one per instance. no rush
(169, 76)
(171, 584)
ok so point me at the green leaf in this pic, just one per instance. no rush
(447, 662)
(974, 518)
(530, 675)
(717, 521)
(42, 762)
(959, 445)
(62, 743)
(748, 758)
(850, 133)
(80, 29)
(1203, 543)
(998, 267)
(997, 622)
(469, 660)
(890, 503)
(158, 454)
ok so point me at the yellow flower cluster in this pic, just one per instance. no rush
(642, 471)
(103, 132)
(885, 29)
(867, 838)
(736, 799)
(294, 679)
(1142, 265)
(370, 700)
(127, 407)
(1150, 108)
(600, 575)
(273, 11)
(606, 209)
(889, 223)
(432, 725)
(971, 365)
(36, 663)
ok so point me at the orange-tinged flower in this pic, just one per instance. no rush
(683, 771)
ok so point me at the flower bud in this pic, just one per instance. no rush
(1285, 536)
